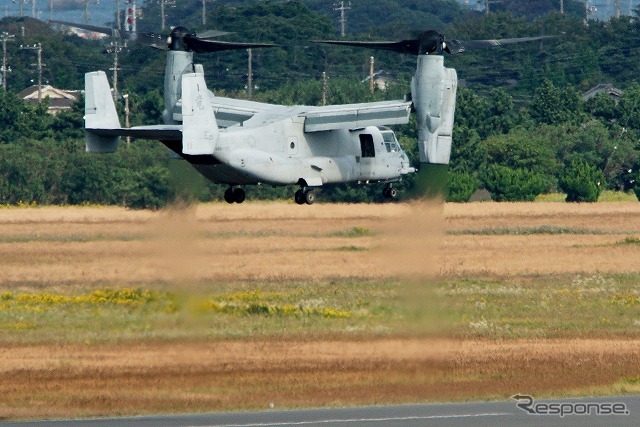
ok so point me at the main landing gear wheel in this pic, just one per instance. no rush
(304, 196)
(309, 197)
(234, 195)
(389, 192)
(239, 195)
(228, 196)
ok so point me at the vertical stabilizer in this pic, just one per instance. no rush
(99, 114)
(199, 128)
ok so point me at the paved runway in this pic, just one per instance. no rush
(453, 414)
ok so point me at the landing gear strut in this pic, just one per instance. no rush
(234, 195)
(305, 195)
(389, 192)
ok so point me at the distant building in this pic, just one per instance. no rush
(86, 34)
(607, 89)
(381, 79)
(59, 99)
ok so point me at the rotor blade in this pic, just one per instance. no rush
(404, 46)
(458, 46)
(210, 34)
(157, 41)
(200, 46)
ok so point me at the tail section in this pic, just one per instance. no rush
(199, 128)
(100, 115)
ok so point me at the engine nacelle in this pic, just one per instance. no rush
(433, 92)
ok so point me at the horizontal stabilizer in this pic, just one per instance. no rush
(158, 132)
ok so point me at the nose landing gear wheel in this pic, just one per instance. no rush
(299, 197)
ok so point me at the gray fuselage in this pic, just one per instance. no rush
(270, 149)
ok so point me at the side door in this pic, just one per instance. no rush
(367, 156)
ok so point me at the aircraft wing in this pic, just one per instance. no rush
(231, 111)
(356, 116)
(159, 132)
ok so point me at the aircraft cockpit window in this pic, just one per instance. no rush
(390, 142)
(392, 147)
(389, 137)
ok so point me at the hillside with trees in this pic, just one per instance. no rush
(522, 126)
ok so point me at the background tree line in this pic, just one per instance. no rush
(522, 127)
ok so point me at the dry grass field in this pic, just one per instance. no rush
(109, 311)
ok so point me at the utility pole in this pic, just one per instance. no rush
(50, 9)
(343, 17)
(87, 15)
(371, 82)
(324, 88)
(250, 74)
(164, 4)
(115, 48)
(33, 8)
(163, 17)
(562, 7)
(126, 115)
(38, 48)
(86, 11)
(616, 8)
(5, 37)
(118, 16)
(587, 10)
(204, 12)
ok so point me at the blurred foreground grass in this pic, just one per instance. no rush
(548, 306)
(605, 196)
(238, 310)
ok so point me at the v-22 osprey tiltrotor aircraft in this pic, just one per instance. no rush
(239, 142)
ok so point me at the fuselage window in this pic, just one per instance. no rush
(366, 145)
